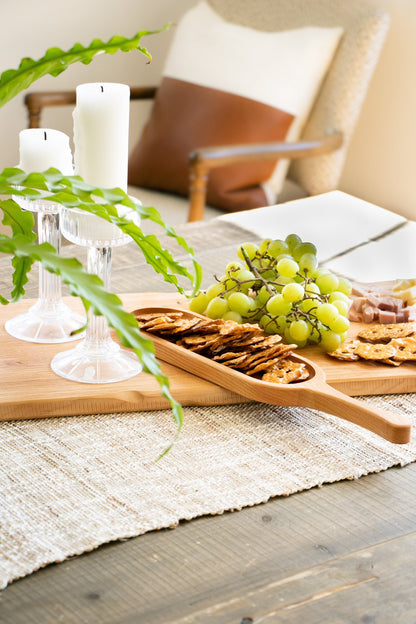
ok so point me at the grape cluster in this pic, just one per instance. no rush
(279, 285)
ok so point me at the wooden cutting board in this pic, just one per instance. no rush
(30, 389)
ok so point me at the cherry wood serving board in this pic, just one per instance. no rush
(30, 389)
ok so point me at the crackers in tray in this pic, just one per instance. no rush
(244, 347)
(390, 344)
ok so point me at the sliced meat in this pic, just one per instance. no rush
(409, 314)
(387, 316)
(354, 316)
(373, 300)
(358, 292)
(392, 304)
(357, 303)
(369, 313)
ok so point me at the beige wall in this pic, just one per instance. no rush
(381, 165)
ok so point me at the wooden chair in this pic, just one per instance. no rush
(318, 157)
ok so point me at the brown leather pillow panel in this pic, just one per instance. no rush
(186, 116)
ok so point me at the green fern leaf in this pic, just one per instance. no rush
(55, 61)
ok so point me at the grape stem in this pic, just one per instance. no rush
(296, 313)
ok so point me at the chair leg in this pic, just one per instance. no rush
(197, 192)
(34, 114)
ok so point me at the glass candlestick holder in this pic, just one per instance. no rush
(98, 358)
(49, 320)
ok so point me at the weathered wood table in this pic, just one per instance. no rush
(344, 552)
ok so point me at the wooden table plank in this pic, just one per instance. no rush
(203, 570)
(338, 591)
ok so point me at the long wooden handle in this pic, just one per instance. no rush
(392, 427)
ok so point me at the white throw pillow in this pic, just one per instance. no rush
(228, 84)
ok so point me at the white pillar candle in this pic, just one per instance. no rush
(42, 148)
(101, 134)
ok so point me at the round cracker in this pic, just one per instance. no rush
(405, 349)
(346, 352)
(286, 371)
(384, 333)
(375, 351)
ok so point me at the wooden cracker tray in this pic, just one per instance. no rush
(30, 389)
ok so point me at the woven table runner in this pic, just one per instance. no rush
(70, 484)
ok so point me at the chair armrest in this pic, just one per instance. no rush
(202, 160)
(142, 93)
(35, 102)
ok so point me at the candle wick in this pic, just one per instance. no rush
(45, 136)
(102, 89)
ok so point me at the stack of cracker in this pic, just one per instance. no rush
(244, 347)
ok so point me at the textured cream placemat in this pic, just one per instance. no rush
(71, 484)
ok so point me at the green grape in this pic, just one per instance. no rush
(330, 340)
(269, 325)
(258, 263)
(299, 330)
(255, 314)
(340, 325)
(341, 306)
(292, 240)
(214, 290)
(264, 246)
(293, 292)
(226, 283)
(230, 284)
(216, 308)
(232, 267)
(308, 263)
(282, 322)
(299, 278)
(240, 302)
(246, 279)
(283, 255)
(232, 316)
(290, 340)
(337, 295)
(326, 313)
(344, 336)
(199, 303)
(257, 307)
(250, 248)
(303, 248)
(308, 304)
(315, 335)
(287, 267)
(276, 306)
(344, 286)
(327, 283)
(263, 295)
(268, 274)
(311, 289)
(282, 281)
(277, 247)
(319, 271)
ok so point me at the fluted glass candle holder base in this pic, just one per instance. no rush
(40, 324)
(49, 320)
(97, 359)
(86, 364)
